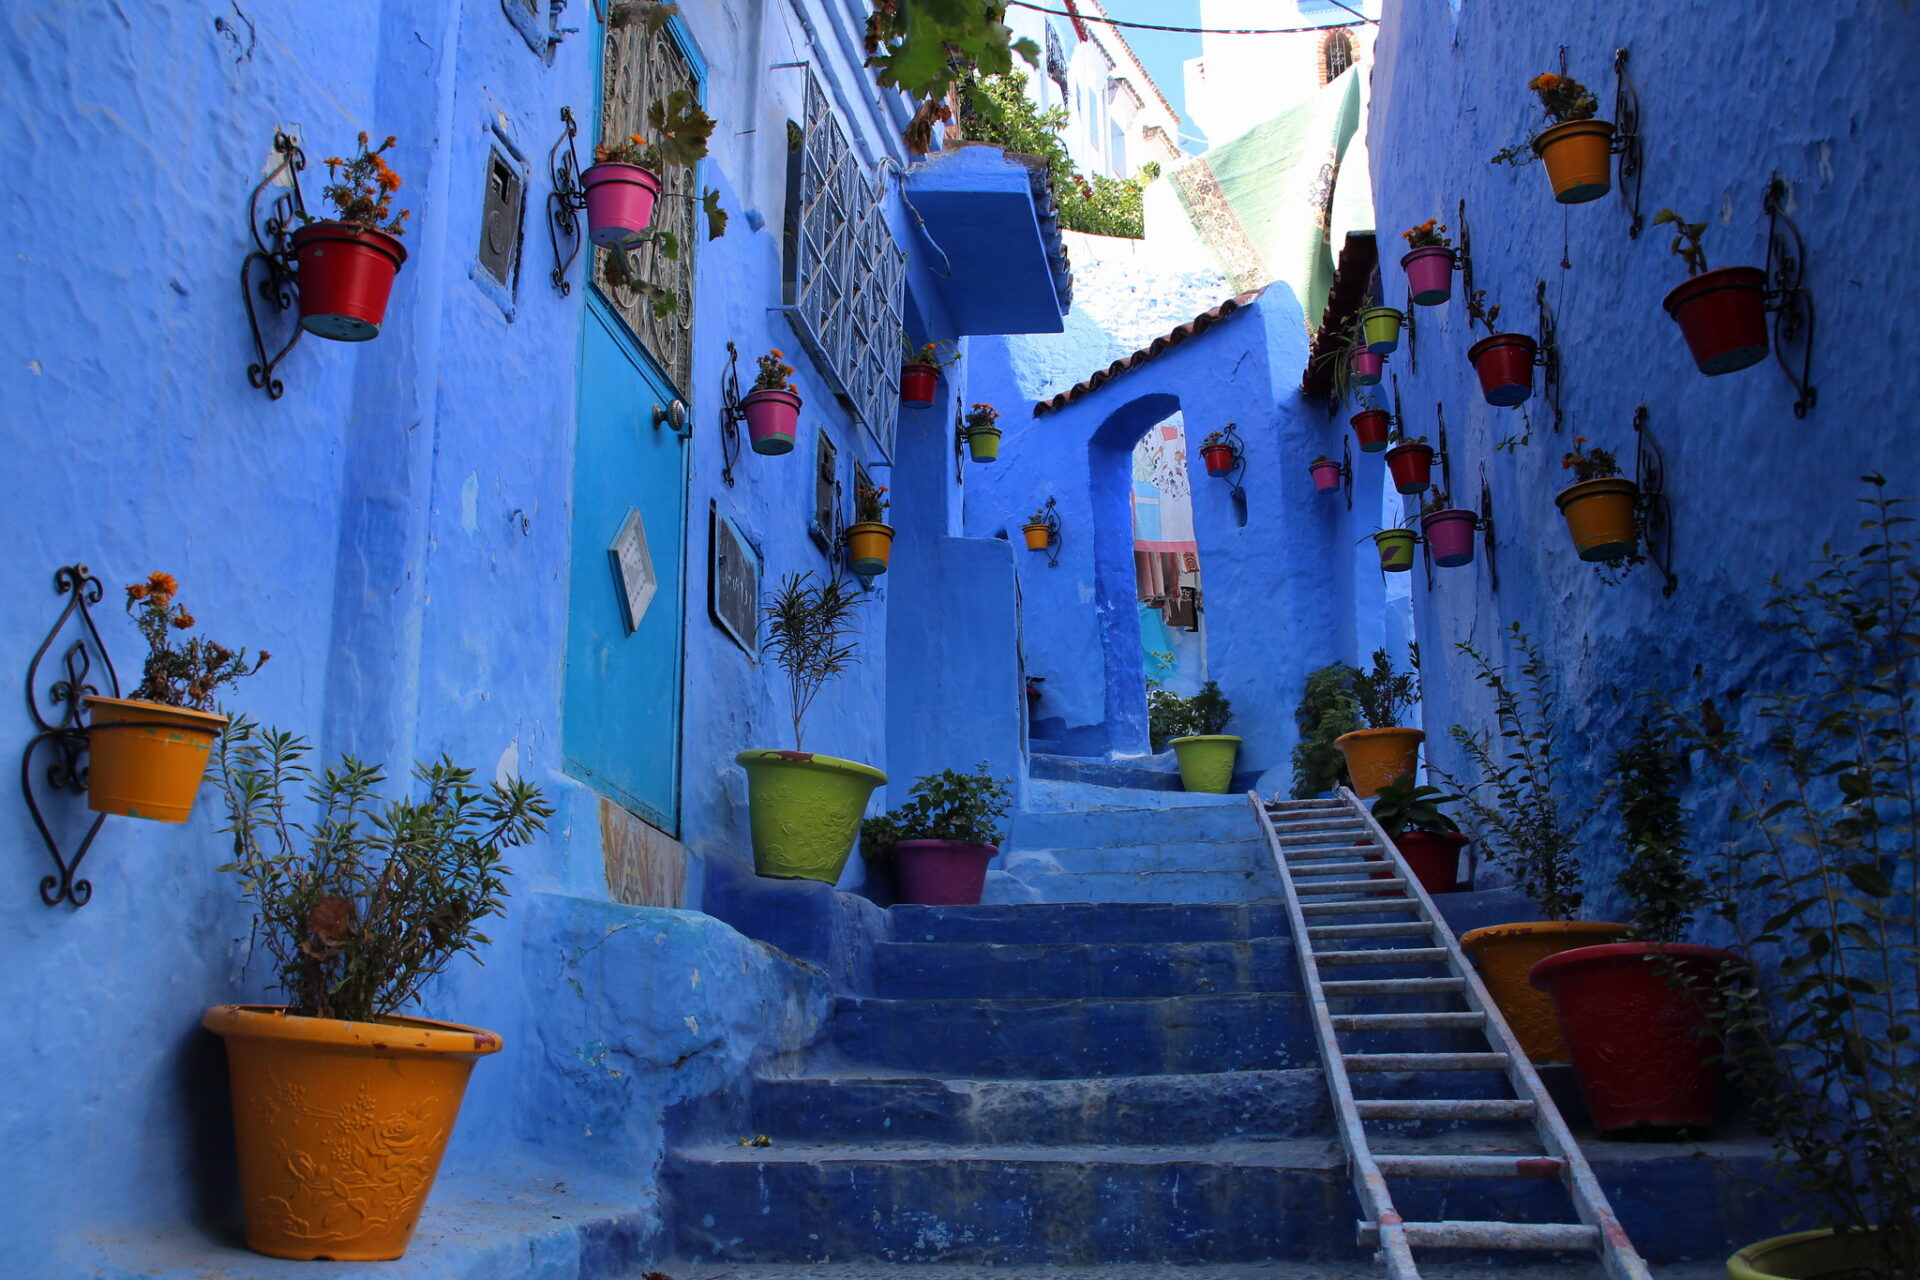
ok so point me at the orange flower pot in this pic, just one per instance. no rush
(1599, 515)
(869, 543)
(146, 759)
(1037, 536)
(340, 1126)
(1579, 159)
(1506, 953)
(1376, 757)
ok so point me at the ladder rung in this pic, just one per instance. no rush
(1394, 986)
(1368, 930)
(1383, 955)
(1275, 806)
(1341, 868)
(1406, 1021)
(1444, 1108)
(1323, 835)
(1362, 849)
(1469, 1166)
(1363, 904)
(1500, 1236)
(1425, 1061)
(1353, 886)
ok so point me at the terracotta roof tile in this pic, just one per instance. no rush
(1192, 328)
(1359, 259)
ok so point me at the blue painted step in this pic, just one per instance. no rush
(1147, 886)
(1095, 922)
(1229, 818)
(1014, 971)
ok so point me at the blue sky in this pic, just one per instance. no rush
(1164, 51)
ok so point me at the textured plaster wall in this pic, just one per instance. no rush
(1822, 97)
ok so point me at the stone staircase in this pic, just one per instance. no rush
(1203, 850)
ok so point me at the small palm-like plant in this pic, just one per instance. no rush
(808, 622)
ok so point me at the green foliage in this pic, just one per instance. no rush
(1383, 693)
(927, 47)
(368, 899)
(967, 807)
(1400, 806)
(1327, 709)
(1516, 810)
(1101, 206)
(1686, 244)
(1820, 882)
(807, 622)
(1171, 716)
(1656, 879)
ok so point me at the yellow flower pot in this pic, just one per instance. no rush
(1206, 761)
(804, 811)
(1599, 515)
(1037, 536)
(1579, 157)
(1505, 953)
(146, 759)
(1805, 1255)
(1376, 757)
(869, 543)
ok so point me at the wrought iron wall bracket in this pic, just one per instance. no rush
(1346, 466)
(1788, 296)
(1050, 516)
(1441, 453)
(1548, 356)
(732, 414)
(1235, 472)
(566, 200)
(1653, 517)
(57, 713)
(959, 442)
(1411, 331)
(269, 268)
(1485, 524)
(1463, 256)
(1627, 143)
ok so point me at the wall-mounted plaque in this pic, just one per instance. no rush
(733, 580)
(634, 581)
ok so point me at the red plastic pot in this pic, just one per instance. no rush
(1434, 857)
(1450, 536)
(1429, 274)
(1368, 366)
(620, 200)
(346, 276)
(1412, 467)
(919, 383)
(1219, 459)
(773, 418)
(1723, 315)
(1326, 476)
(1505, 365)
(1642, 1027)
(1371, 427)
(941, 873)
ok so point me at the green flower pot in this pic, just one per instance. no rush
(1381, 327)
(984, 443)
(805, 811)
(1804, 1255)
(1206, 761)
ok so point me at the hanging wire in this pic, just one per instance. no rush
(1199, 31)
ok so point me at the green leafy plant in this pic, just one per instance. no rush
(1564, 99)
(1436, 499)
(1401, 807)
(1328, 709)
(808, 622)
(1819, 881)
(773, 373)
(1478, 312)
(870, 503)
(1383, 693)
(1517, 810)
(362, 190)
(1686, 244)
(1661, 889)
(188, 675)
(1000, 112)
(938, 354)
(1171, 716)
(967, 807)
(928, 47)
(1336, 356)
(365, 900)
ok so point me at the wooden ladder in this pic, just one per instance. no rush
(1326, 852)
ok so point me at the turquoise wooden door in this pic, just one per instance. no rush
(621, 718)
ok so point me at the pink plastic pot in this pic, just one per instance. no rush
(1429, 274)
(1450, 536)
(1368, 367)
(620, 201)
(941, 873)
(919, 383)
(773, 418)
(1505, 365)
(1326, 476)
(1370, 427)
(1412, 467)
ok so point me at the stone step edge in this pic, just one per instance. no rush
(1313, 1154)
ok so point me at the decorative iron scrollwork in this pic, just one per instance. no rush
(1463, 253)
(272, 228)
(565, 202)
(1346, 466)
(1410, 333)
(1627, 143)
(959, 442)
(1441, 454)
(1788, 296)
(732, 414)
(1485, 521)
(1050, 517)
(57, 715)
(1653, 515)
(1548, 354)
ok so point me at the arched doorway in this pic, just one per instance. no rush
(1166, 562)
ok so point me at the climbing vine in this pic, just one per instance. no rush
(999, 111)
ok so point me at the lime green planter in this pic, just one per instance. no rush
(1804, 1255)
(983, 443)
(1206, 761)
(805, 811)
(1381, 327)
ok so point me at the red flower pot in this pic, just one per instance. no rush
(773, 418)
(1505, 365)
(1723, 315)
(1219, 459)
(1429, 274)
(1642, 1027)
(346, 275)
(1367, 367)
(1434, 857)
(1371, 427)
(1326, 476)
(919, 383)
(1450, 536)
(1412, 467)
(941, 873)
(620, 201)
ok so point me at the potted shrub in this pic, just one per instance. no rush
(772, 406)
(1326, 473)
(983, 433)
(1502, 361)
(940, 842)
(920, 375)
(1411, 462)
(147, 753)
(1370, 427)
(1818, 881)
(342, 1106)
(1449, 530)
(1420, 829)
(1385, 749)
(623, 183)
(1519, 817)
(1598, 505)
(804, 809)
(870, 537)
(1196, 730)
(1217, 453)
(1722, 314)
(1429, 263)
(1395, 544)
(346, 264)
(1038, 532)
(1640, 1017)
(1380, 329)
(1577, 149)
(1328, 710)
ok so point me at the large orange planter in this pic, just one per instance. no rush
(1376, 757)
(146, 759)
(1579, 159)
(869, 543)
(1505, 954)
(340, 1126)
(1599, 515)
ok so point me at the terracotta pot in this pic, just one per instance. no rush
(1505, 365)
(1450, 536)
(1219, 459)
(1326, 476)
(1376, 757)
(1396, 549)
(941, 873)
(1367, 367)
(1723, 316)
(1429, 274)
(1641, 1023)
(983, 444)
(1206, 761)
(919, 384)
(1599, 515)
(1370, 426)
(1434, 857)
(1505, 953)
(1578, 155)
(773, 419)
(1038, 536)
(1412, 467)
(620, 199)
(804, 811)
(345, 278)
(146, 759)
(1806, 1255)
(869, 543)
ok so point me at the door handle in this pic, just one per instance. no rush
(673, 415)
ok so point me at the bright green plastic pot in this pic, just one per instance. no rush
(805, 811)
(983, 443)
(1381, 327)
(1206, 761)
(1804, 1255)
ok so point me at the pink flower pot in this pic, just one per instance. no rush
(1367, 367)
(773, 417)
(1505, 365)
(1429, 274)
(1326, 476)
(941, 873)
(619, 202)
(1450, 536)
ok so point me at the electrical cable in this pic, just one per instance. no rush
(1198, 31)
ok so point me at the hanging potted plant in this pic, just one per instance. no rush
(147, 753)
(1503, 361)
(623, 183)
(1326, 473)
(1410, 460)
(772, 406)
(805, 809)
(1366, 367)
(1722, 314)
(1196, 729)
(1599, 505)
(346, 264)
(920, 375)
(1038, 532)
(1395, 543)
(940, 842)
(1519, 817)
(1380, 329)
(1371, 427)
(983, 433)
(1217, 453)
(1420, 829)
(1641, 1018)
(870, 537)
(342, 1105)
(1577, 149)
(1429, 263)
(1449, 530)
(1385, 749)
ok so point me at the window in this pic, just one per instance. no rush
(500, 220)
(1336, 55)
(844, 273)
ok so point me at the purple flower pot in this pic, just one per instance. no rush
(1367, 367)
(773, 418)
(941, 873)
(1450, 536)
(619, 202)
(1430, 274)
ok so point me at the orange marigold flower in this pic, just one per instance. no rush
(163, 584)
(137, 591)
(183, 620)
(1545, 82)
(332, 161)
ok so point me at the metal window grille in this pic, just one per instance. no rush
(844, 271)
(1056, 60)
(1338, 55)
